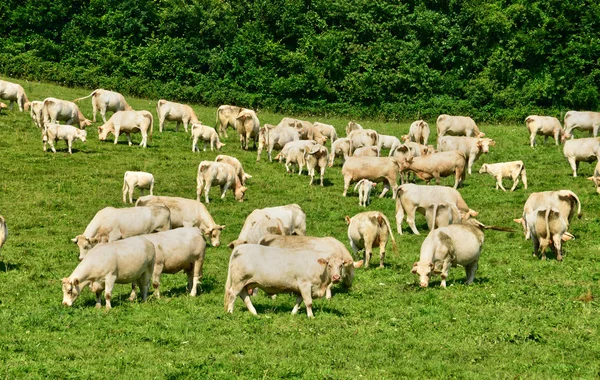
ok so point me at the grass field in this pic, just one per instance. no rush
(521, 318)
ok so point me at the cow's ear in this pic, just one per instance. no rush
(74, 240)
(75, 282)
(358, 264)
(591, 178)
(93, 240)
(322, 261)
(520, 220)
(414, 268)
(347, 219)
(220, 227)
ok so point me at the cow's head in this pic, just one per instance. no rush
(424, 271)
(81, 135)
(239, 193)
(85, 123)
(483, 169)
(348, 271)
(71, 290)
(84, 244)
(405, 163)
(104, 130)
(27, 106)
(405, 138)
(213, 234)
(335, 266)
(484, 144)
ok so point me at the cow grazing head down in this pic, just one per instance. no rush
(104, 130)
(71, 290)
(214, 234)
(239, 193)
(81, 135)
(84, 244)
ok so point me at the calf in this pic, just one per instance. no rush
(437, 165)
(300, 144)
(388, 142)
(105, 100)
(111, 224)
(544, 126)
(362, 137)
(305, 273)
(419, 132)
(339, 148)
(55, 109)
(177, 112)
(457, 126)
(376, 169)
(120, 262)
(54, 132)
(295, 155)
(472, 147)
(368, 229)
(14, 93)
(128, 122)
(206, 134)
(222, 174)
(364, 187)
(36, 112)
(141, 180)
(275, 137)
(316, 157)
(326, 130)
(578, 150)
(441, 215)
(187, 213)
(510, 169)
(247, 126)
(584, 121)
(243, 176)
(226, 117)
(366, 151)
(548, 229)
(456, 244)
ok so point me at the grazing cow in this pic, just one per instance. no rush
(584, 121)
(457, 126)
(441, 215)
(105, 100)
(456, 244)
(563, 200)
(305, 273)
(472, 147)
(416, 149)
(291, 216)
(596, 177)
(242, 175)
(510, 169)
(419, 132)
(368, 229)
(352, 126)
(141, 180)
(295, 155)
(181, 249)
(437, 165)
(364, 187)
(275, 137)
(326, 130)
(111, 224)
(307, 131)
(68, 133)
(187, 213)
(326, 245)
(548, 228)
(226, 117)
(247, 125)
(3, 231)
(388, 142)
(544, 126)
(206, 134)
(376, 169)
(316, 157)
(299, 144)
(128, 122)
(366, 151)
(581, 150)
(363, 137)
(121, 262)
(14, 93)
(412, 198)
(339, 148)
(36, 112)
(63, 110)
(262, 227)
(222, 174)
(177, 112)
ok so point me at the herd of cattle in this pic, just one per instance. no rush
(272, 252)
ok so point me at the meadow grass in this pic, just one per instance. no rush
(521, 318)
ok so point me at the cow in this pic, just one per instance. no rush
(55, 110)
(457, 126)
(442, 214)
(128, 122)
(437, 165)
(177, 112)
(364, 187)
(512, 169)
(181, 249)
(226, 117)
(247, 126)
(299, 144)
(339, 148)
(141, 180)
(36, 112)
(242, 175)
(105, 100)
(456, 244)
(399, 154)
(3, 231)
(206, 134)
(305, 273)
(412, 198)
(275, 137)
(596, 177)
(352, 126)
(68, 133)
(295, 155)
(187, 213)
(419, 132)
(376, 169)
(388, 142)
(563, 200)
(368, 229)
(544, 126)
(362, 137)
(120, 262)
(584, 121)
(416, 149)
(472, 147)
(547, 228)
(316, 157)
(307, 131)
(366, 151)
(14, 93)
(291, 216)
(326, 130)
(326, 245)
(112, 224)
(581, 150)
(263, 227)
(222, 174)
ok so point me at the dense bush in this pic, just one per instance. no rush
(494, 59)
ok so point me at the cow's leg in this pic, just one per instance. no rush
(98, 299)
(185, 125)
(247, 140)
(204, 146)
(545, 139)
(161, 123)
(158, 268)
(347, 180)
(445, 268)
(536, 245)
(532, 139)
(386, 188)
(515, 178)
(471, 269)
(196, 275)
(177, 126)
(299, 300)
(595, 129)
(241, 141)
(131, 188)
(117, 132)
(322, 175)
(574, 165)
(471, 162)
(230, 295)
(206, 191)
(499, 182)
(144, 142)
(102, 113)
(368, 252)
(382, 244)
(410, 219)
(246, 298)
(557, 247)
(306, 292)
(224, 189)
(109, 283)
(51, 142)
(199, 189)
(70, 145)
(151, 187)
(195, 144)
(328, 291)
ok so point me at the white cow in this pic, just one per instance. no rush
(548, 229)
(388, 142)
(316, 157)
(300, 144)
(457, 126)
(376, 169)
(243, 176)
(419, 132)
(584, 121)
(63, 110)
(180, 113)
(544, 126)
(364, 187)
(105, 100)
(128, 122)
(14, 93)
(226, 117)
(442, 214)
(366, 151)
(221, 174)
(362, 137)
(68, 133)
(206, 134)
(247, 126)
(512, 169)
(581, 150)
(437, 165)
(339, 148)
(352, 126)
(275, 137)
(141, 180)
(36, 112)
(307, 131)
(326, 130)
(368, 229)
(472, 147)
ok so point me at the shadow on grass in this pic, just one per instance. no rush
(5, 267)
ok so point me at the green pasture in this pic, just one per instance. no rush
(522, 318)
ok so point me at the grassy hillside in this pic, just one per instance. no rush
(521, 317)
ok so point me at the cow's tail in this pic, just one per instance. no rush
(573, 196)
(85, 97)
(545, 242)
(158, 104)
(524, 176)
(125, 186)
(389, 228)
(226, 299)
(149, 116)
